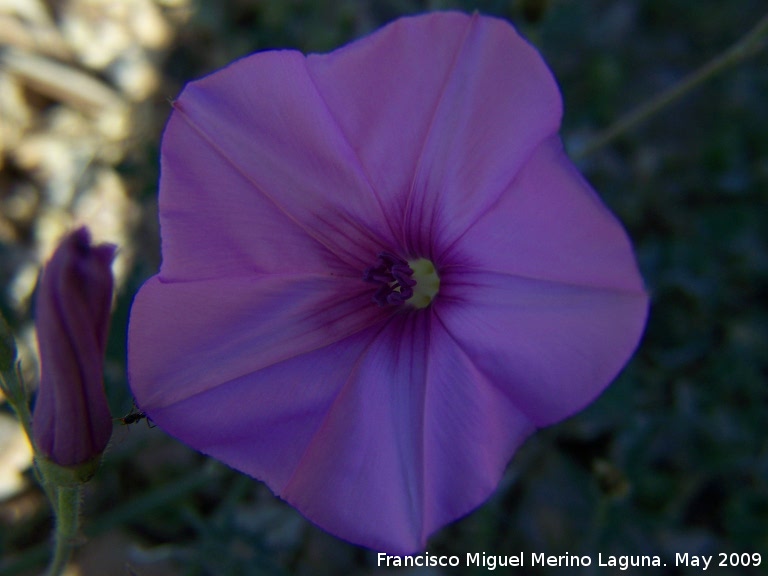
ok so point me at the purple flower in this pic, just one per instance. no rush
(380, 275)
(71, 422)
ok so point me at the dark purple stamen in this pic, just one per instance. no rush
(395, 278)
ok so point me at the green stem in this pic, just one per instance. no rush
(748, 45)
(67, 523)
(122, 514)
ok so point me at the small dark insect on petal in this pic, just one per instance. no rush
(135, 416)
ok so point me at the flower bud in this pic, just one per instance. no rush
(71, 422)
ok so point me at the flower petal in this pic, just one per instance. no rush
(416, 438)
(262, 422)
(471, 430)
(499, 103)
(441, 128)
(343, 448)
(264, 118)
(215, 223)
(550, 282)
(385, 110)
(361, 478)
(550, 347)
(189, 337)
(550, 225)
(552, 303)
(391, 421)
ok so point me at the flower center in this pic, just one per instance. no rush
(415, 281)
(427, 282)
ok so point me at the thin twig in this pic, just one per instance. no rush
(747, 46)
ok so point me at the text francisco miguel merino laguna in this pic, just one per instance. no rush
(492, 562)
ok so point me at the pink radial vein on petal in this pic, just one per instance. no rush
(407, 430)
(264, 117)
(262, 422)
(215, 224)
(386, 110)
(438, 126)
(499, 102)
(550, 225)
(552, 348)
(471, 427)
(368, 453)
(217, 330)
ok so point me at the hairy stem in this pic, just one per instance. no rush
(67, 523)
